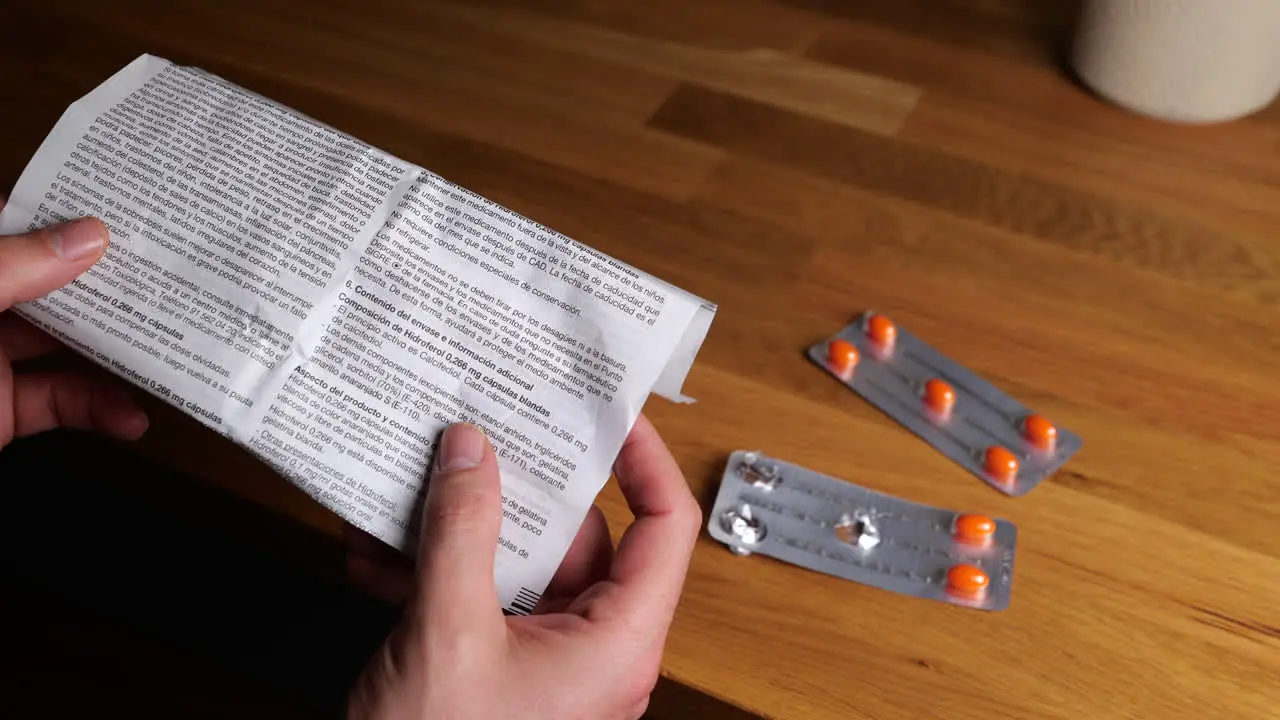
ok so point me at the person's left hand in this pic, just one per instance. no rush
(33, 265)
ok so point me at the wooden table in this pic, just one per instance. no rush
(797, 162)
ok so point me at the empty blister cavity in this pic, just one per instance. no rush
(744, 527)
(977, 425)
(759, 473)
(858, 530)
(777, 509)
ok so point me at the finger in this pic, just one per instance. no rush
(44, 401)
(39, 262)
(20, 340)
(390, 582)
(586, 563)
(460, 526)
(653, 556)
(640, 708)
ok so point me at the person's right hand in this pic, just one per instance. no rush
(594, 647)
(31, 266)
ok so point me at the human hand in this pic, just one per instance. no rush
(594, 646)
(31, 266)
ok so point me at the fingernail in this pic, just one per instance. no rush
(461, 448)
(78, 239)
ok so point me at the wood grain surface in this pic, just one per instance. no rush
(799, 161)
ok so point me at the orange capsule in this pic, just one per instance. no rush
(842, 356)
(1040, 432)
(939, 397)
(967, 581)
(1001, 464)
(882, 331)
(976, 529)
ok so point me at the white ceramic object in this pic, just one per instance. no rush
(1193, 61)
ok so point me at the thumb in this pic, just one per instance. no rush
(37, 263)
(460, 526)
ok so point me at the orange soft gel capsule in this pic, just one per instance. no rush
(939, 397)
(882, 331)
(842, 355)
(1040, 432)
(975, 528)
(967, 581)
(1001, 464)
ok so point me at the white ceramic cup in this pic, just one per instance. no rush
(1191, 61)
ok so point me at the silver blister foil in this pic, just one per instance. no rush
(781, 510)
(981, 416)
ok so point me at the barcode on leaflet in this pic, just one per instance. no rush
(525, 601)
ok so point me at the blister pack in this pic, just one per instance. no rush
(968, 419)
(818, 522)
